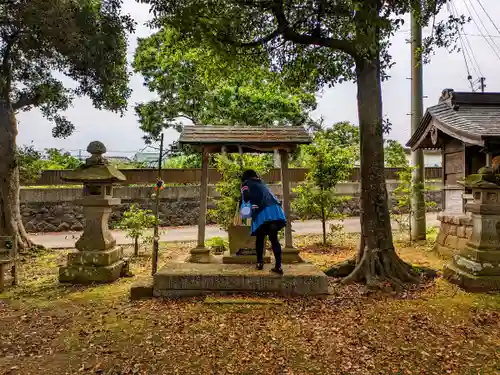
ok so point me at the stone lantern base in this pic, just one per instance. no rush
(87, 267)
(471, 282)
(477, 266)
(242, 246)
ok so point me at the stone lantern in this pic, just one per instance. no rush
(97, 258)
(477, 266)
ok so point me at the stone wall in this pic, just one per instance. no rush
(454, 232)
(53, 210)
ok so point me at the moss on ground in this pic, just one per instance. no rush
(433, 328)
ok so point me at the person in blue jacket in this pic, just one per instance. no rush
(268, 217)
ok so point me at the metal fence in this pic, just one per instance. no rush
(193, 176)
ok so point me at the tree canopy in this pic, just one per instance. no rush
(31, 162)
(341, 135)
(194, 82)
(318, 41)
(82, 40)
(42, 42)
(395, 156)
(330, 161)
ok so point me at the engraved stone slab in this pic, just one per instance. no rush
(188, 279)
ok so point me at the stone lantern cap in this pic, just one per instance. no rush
(96, 168)
(485, 178)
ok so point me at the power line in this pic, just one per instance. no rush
(493, 46)
(468, 47)
(482, 23)
(487, 15)
(479, 35)
(462, 34)
(467, 51)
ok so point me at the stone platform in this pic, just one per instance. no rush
(454, 232)
(244, 258)
(182, 279)
(87, 267)
(470, 282)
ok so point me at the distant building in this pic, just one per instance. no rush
(150, 159)
(119, 159)
(432, 158)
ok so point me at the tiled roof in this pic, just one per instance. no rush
(469, 117)
(477, 120)
(247, 135)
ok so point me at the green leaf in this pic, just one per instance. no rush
(195, 82)
(83, 40)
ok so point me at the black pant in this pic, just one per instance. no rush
(270, 230)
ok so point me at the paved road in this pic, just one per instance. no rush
(64, 240)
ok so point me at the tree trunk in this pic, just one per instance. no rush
(377, 260)
(10, 215)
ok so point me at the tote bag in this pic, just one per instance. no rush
(245, 210)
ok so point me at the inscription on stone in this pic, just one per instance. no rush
(453, 201)
(246, 251)
(454, 163)
(492, 197)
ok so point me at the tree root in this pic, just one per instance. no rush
(23, 240)
(378, 266)
(342, 269)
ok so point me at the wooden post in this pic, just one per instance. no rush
(156, 236)
(201, 254)
(290, 255)
(203, 200)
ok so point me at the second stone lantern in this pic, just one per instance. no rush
(97, 259)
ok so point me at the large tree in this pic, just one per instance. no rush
(192, 81)
(40, 42)
(326, 42)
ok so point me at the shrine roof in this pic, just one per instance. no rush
(249, 138)
(467, 116)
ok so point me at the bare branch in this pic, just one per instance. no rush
(25, 100)
(187, 117)
(256, 43)
(290, 34)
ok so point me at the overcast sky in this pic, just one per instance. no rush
(122, 135)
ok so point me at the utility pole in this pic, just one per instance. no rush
(156, 237)
(418, 225)
(483, 86)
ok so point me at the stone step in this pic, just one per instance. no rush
(184, 279)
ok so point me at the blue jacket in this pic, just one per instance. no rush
(258, 194)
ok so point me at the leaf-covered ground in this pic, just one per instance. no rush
(46, 328)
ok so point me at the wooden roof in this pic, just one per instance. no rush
(467, 116)
(249, 138)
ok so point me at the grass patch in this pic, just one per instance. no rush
(427, 329)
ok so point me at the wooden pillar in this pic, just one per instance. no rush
(200, 254)
(290, 254)
(202, 221)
